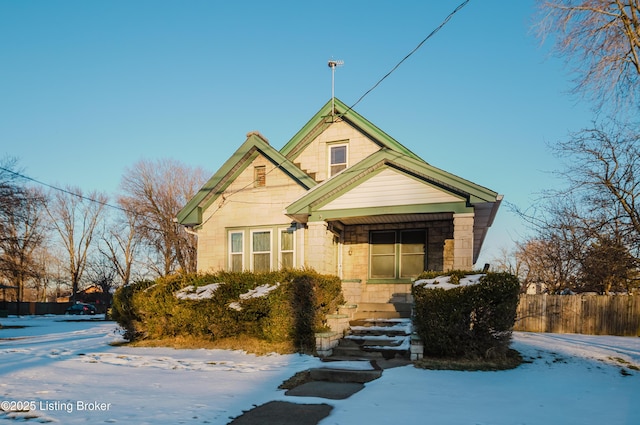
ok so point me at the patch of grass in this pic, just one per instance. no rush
(296, 380)
(248, 344)
(511, 360)
(628, 364)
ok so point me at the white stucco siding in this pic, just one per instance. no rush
(390, 188)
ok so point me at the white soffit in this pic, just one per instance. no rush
(390, 188)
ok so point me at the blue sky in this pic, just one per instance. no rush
(88, 88)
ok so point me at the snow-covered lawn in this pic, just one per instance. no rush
(72, 375)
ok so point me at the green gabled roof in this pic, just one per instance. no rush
(323, 119)
(191, 213)
(470, 193)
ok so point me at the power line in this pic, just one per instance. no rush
(68, 192)
(434, 32)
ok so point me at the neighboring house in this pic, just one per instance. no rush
(344, 198)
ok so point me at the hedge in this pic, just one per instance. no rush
(472, 321)
(293, 311)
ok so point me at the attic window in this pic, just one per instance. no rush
(259, 176)
(338, 158)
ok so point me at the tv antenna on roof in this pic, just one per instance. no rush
(333, 64)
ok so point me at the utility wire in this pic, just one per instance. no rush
(434, 32)
(68, 192)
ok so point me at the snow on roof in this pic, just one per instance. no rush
(444, 282)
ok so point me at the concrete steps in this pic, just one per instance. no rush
(377, 331)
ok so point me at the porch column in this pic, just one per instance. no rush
(463, 241)
(318, 249)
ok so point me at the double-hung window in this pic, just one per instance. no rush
(286, 248)
(338, 154)
(397, 254)
(261, 250)
(236, 251)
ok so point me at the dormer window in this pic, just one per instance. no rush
(337, 158)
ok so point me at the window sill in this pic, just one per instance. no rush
(388, 281)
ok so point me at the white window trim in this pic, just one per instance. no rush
(329, 164)
(280, 251)
(230, 253)
(252, 252)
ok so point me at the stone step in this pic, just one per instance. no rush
(386, 353)
(380, 322)
(376, 327)
(346, 371)
(348, 352)
(377, 315)
(383, 310)
(371, 341)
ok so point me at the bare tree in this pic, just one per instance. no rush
(595, 220)
(601, 39)
(157, 191)
(603, 172)
(75, 217)
(120, 244)
(23, 234)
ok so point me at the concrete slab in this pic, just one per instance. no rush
(324, 389)
(284, 413)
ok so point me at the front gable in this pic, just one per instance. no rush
(311, 148)
(234, 172)
(390, 187)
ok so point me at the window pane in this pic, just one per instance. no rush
(261, 262)
(412, 252)
(236, 263)
(261, 241)
(287, 260)
(413, 241)
(383, 266)
(286, 240)
(412, 265)
(383, 243)
(236, 242)
(338, 155)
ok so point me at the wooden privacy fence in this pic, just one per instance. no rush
(582, 314)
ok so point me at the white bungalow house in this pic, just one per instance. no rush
(343, 198)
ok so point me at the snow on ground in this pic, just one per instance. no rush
(63, 366)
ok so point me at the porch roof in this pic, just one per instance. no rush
(391, 187)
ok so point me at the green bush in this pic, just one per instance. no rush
(293, 311)
(472, 321)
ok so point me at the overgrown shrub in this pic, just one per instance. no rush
(473, 321)
(293, 311)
